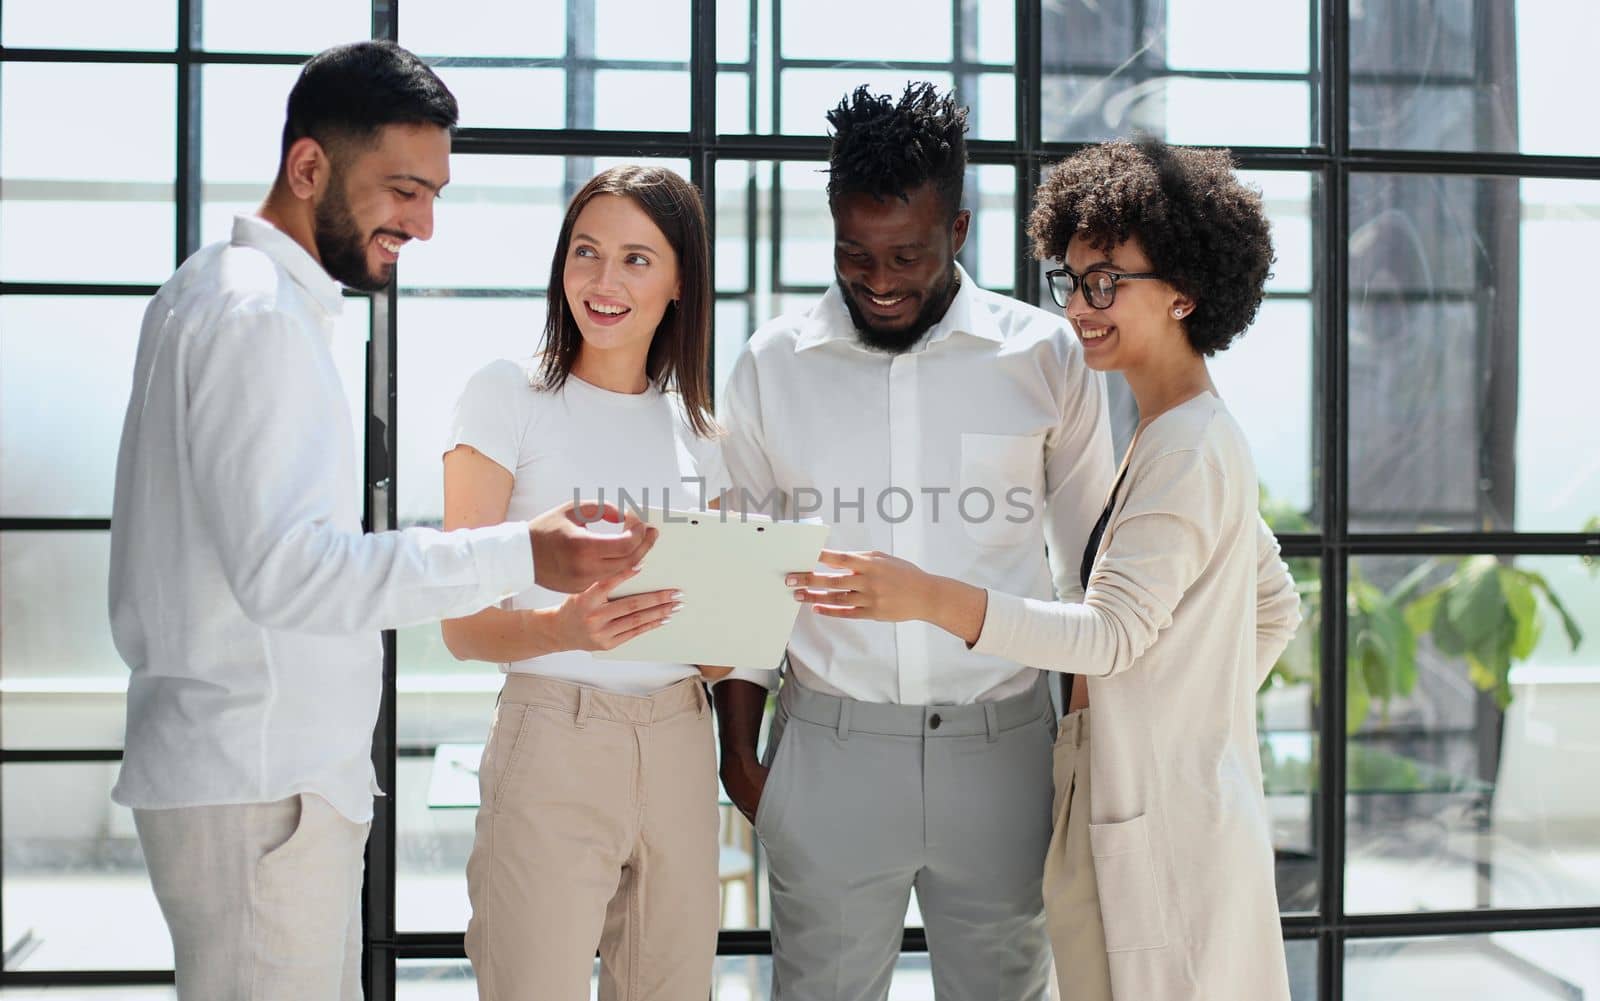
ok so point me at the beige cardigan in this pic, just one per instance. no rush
(1187, 608)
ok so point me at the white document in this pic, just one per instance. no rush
(737, 611)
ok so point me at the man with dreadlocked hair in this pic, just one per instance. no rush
(881, 153)
(928, 418)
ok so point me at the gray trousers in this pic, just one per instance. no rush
(865, 802)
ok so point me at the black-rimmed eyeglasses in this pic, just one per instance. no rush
(1099, 285)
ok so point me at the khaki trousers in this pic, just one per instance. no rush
(263, 900)
(1071, 900)
(598, 826)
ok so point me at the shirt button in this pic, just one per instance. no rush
(934, 721)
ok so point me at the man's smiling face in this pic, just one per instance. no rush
(377, 198)
(894, 260)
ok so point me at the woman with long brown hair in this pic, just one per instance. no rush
(598, 823)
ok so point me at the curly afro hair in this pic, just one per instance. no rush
(1202, 228)
(886, 148)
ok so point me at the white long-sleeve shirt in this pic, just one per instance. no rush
(243, 594)
(1187, 608)
(966, 455)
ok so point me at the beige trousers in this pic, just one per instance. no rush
(1071, 901)
(263, 900)
(598, 826)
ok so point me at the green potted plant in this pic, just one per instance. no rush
(1483, 609)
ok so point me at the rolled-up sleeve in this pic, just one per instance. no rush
(269, 487)
(1277, 602)
(1161, 542)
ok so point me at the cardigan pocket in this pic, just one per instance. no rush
(1125, 875)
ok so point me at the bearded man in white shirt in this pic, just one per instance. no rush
(243, 594)
(917, 414)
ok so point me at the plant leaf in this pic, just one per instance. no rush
(1479, 673)
(1365, 594)
(1357, 702)
(1524, 609)
(1445, 636)
(1473, 603)
(1408, 584)
(1489, 665)
(1372, 658)
(1421, 613)
(1399, 649)
(1568, 623)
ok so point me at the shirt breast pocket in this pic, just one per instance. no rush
(1002, 487)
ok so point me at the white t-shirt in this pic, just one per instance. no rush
(584, 442)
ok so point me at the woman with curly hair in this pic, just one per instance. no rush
(1159, 881)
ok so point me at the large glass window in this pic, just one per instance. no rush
(74, 892)
(1187, 70)
(88, 153)
(1485, 967)
(594, 64)
(785, 74)
(1468, 76)
(1472, 684)
(61, 681)
(90, 347)
(1465, 366)
(1415, 389)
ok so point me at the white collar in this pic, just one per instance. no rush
(254, 231)
(829, 320)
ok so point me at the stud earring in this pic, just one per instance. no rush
(1178, 313)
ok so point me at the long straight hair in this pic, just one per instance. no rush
(681, 346)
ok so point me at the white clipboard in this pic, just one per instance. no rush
(737, 611)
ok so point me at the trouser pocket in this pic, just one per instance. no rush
(778, 739)
(305, 894)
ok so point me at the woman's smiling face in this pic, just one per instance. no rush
(620, 274)
(1142, 317)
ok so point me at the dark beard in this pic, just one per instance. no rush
(340, 244)
(900, 341)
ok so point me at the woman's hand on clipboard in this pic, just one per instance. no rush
(593, 620)
(865, 585)
(884, 588)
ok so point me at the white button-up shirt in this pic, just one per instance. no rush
(244, 596)
(967, 455)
